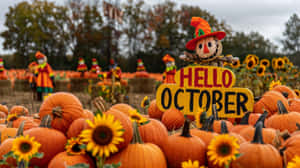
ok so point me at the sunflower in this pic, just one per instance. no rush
(103, 135)
(236, 64)
(286, 59)
(223, 149)
(145, 102)
(297, 92)
(12, 117)
(250, 63)
(25, 148)
(273, 84)
(190, 164)
(226, 64)
(274, 65)
(136, 117)
(256, 59)
(280, 63)
(295, 163)
(265, 62)
(200, 117)
(73, 147)
(261, 71)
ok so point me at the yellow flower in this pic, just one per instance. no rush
(250, 63)
(265, 62)
(280, 63)
(73, 147)
(190, 164)
(273, 84)
(286, 59)
(261, 71)
(236, 64)
(295, 163)
(103, 135)
(274, 65)
(199, 118)
(145, 102)
(223, 149)
(25, 147)
(297, 92)
(226, 64)
(12, 117)
(136, 117)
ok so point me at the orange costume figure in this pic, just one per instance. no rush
(169, 74)
(81, 65)
(95, 67)
(2, 70)
(32, 79)
(140, 66)
(44, 76)
(115, 70)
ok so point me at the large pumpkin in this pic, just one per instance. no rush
(257, 154)
(291, 148)
(64, 108)
(285, 91)
(19, 110)
(183, 147)
(52, 141)
(139, 154)
(269, 102)
(294, 105)
(76, 127)
(154, 132)
(284, 120)
(63, 159)
(172, 119)
(154, 111)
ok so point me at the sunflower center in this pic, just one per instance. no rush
(76, 148)
(234, 63)
(280, 63)
(25, 147)
(13, 118)
(224, 149)
(135, 117)
(102, 135)
(260, 70)
(265, 63)
(250, 63)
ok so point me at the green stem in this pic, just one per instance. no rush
(100, 162)
(224, 129)
(136, 134)
(186, 129)
(281, 107)
(258, 133)
(244, 120)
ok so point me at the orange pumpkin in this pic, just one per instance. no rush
(294, 105)
(3, 108)
(217, 121)
(183, 147)
(269, 102)
(64, 108)
(154, 111)
(285, 91)
(154, 132)
(284, 120)
(124, 108)
(28, 122)
(224, 130)
(173, 119)
(76, 127)
(19, 110)
(52, 141)
(5, 147)
(88, 114)
(63, 159)
(8, 132)
(2, 115)
(257, 154)
(290, 148)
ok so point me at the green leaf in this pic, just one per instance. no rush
(3, 162)
(38, 155)
(114, 165)
(238, 155)
(82, 146)
(145, 122)
(9, 154)
(79, 165)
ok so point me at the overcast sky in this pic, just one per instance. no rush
(265, 16)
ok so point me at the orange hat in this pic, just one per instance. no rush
(39, 55)
(168, 58)
(202, 30)
(94, 60)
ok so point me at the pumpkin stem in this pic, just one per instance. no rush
(186, 129)
(100, 104)
(258, 133)
(46, 121)
(282, 150)
(262, 119)
(20, 129)
(210, 124)
(298, 126)
(9, 124)
(244, 120)
(285, 134)
(57, 112)
(136, 134)
(224, 129)
(215, 112)
(281, 107)
(285, 94)
(206, 124)
(257, 98)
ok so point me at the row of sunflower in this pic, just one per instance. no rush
(257, 74)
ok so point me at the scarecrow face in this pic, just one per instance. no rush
(1, 63)
(40, 61)
(170, 64)
(208, 48)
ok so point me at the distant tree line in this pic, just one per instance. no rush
(66, 32)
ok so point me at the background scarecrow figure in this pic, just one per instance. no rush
(115, 70)
(2, 70)
(95, 67)
(32, 78)
(81, 66)
(44, 76)
(169, 74)
(206, 45)
(140, 66)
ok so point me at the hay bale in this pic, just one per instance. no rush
(62, 85)
(22, 85)
(5, 87)
(141, 85)
(79, 84)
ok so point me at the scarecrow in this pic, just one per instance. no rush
(140, 66)
(169, 74)
(115, 70)
(81, 66)
(95, 67)
(1, 66)
(206, 45)
(44, 76)
(32, 78)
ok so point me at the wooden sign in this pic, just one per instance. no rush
(198, 87)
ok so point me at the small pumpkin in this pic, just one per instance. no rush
(294, 105)
(285, 91)
(154, 111)
(257, 154)
(173, 119)
(122, 107)
(63, 159)
(2, 114)
(224, 130)
(19, 110)
(76, 127)
(28, 122)
(3, 108)
(217, 121)
(291, 148)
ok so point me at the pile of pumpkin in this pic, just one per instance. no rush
(268, 137)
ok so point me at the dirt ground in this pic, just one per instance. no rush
(26, 99)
